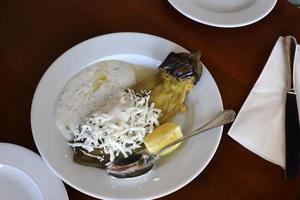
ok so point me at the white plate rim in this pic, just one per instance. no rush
(17, 156)
(154, 196)
(250, 20)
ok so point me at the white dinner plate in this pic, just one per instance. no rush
(172, 172)
(224, 13)
(24, 175)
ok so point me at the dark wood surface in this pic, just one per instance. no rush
(33, 33)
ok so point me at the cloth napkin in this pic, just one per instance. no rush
(260, 124)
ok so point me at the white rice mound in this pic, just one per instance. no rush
(95, 88)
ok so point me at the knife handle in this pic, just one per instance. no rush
(292, 137)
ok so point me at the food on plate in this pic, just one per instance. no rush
(118, 132)
(104, 119)
(95, 88)
(161, 137)
(169, 87)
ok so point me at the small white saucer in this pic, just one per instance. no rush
(24, 175)
(225, 13)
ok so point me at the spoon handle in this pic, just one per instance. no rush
(222, 118)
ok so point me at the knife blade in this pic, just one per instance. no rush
(292, 129)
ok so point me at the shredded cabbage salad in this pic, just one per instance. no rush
(120, 134)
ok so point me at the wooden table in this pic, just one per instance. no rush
(34, 33)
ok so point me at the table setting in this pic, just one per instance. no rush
(150, 100)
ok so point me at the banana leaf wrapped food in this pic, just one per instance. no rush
(82, 157)
(176, 76)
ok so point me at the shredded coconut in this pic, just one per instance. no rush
(121, 132)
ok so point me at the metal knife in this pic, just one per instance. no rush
(292, 129)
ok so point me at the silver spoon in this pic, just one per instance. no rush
(142, 161)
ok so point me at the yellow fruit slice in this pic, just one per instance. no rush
(162, 136)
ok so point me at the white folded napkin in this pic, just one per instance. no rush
(260, 124)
